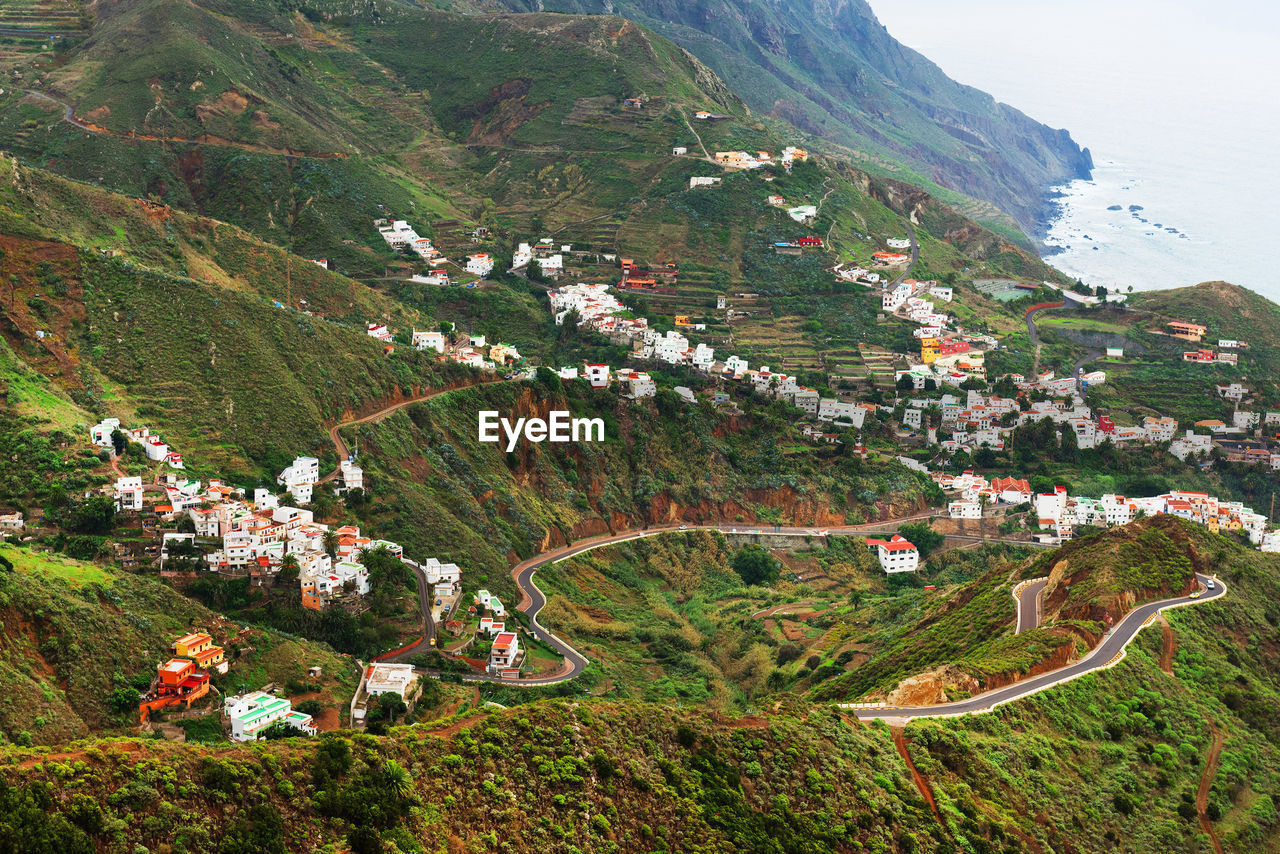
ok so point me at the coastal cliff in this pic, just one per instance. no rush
(832, 69)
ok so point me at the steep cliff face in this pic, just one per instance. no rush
(831, 68)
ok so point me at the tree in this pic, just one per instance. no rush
(289, 571)
(392, 704)
(124, 700)
(755, 565)
(922, 536)
(330, 541)
(385, 568)
(118, 441)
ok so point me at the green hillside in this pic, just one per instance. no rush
(77, 636)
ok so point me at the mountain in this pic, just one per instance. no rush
(830, 68)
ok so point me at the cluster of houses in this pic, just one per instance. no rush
(1059, 514)
(156, 449)
(973, 490)
(254, 535)
(401, 236)
(184, 678)
(545, 254)
(505, 655)
(470, 351)
(986, 420)
(600, 311)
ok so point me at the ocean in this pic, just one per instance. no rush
(1173, 98)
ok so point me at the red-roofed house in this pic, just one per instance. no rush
(505, 652)
(897, 554)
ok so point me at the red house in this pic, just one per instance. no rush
(1105, 424)
(810, 241)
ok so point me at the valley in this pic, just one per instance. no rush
(855, 553)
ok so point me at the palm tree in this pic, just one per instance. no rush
(330, 540)
(397, 778)
(289, 570)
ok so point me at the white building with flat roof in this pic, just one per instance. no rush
(250, 714)
(386, 677)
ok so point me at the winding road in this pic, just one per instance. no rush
(1106, 654)
(1027, 595)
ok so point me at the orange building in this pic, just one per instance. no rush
(181, 681)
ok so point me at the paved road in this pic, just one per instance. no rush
(533, 600)
(1028, 597)
(1103, 655)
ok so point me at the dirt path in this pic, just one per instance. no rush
(705, 153)
(70, 118)
(341, 446)
(456, 727)
(1167, 650)
(900, 742)
(1206, 781)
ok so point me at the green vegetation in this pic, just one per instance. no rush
(59, 678)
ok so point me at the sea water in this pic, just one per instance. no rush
(1174, 98)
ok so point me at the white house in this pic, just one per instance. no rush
(250, 714)
(897, 554)
(351, 475)
(300, 477)
(830, 409)
(964, 510)
(379, 331)
(480, 264)
(129, 493)
(679, 150)
(505, 651)
(638, 384)
(385, 677)
(1245, 420)
(1115, 352)
(429, 341)
(155, 449)
(100, 433)
(702, 181)
(551, 265)
(598, 375)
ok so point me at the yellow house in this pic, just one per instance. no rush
(199, 647)
(188, 646)
(929, 350)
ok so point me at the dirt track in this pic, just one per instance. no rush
(1206, 781)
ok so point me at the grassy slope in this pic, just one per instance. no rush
(75, 632)
(182, 331)
(1103, 763)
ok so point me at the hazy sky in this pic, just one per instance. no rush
(1079, 63)
(1176, 98)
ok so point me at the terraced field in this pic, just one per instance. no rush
(28, 26)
